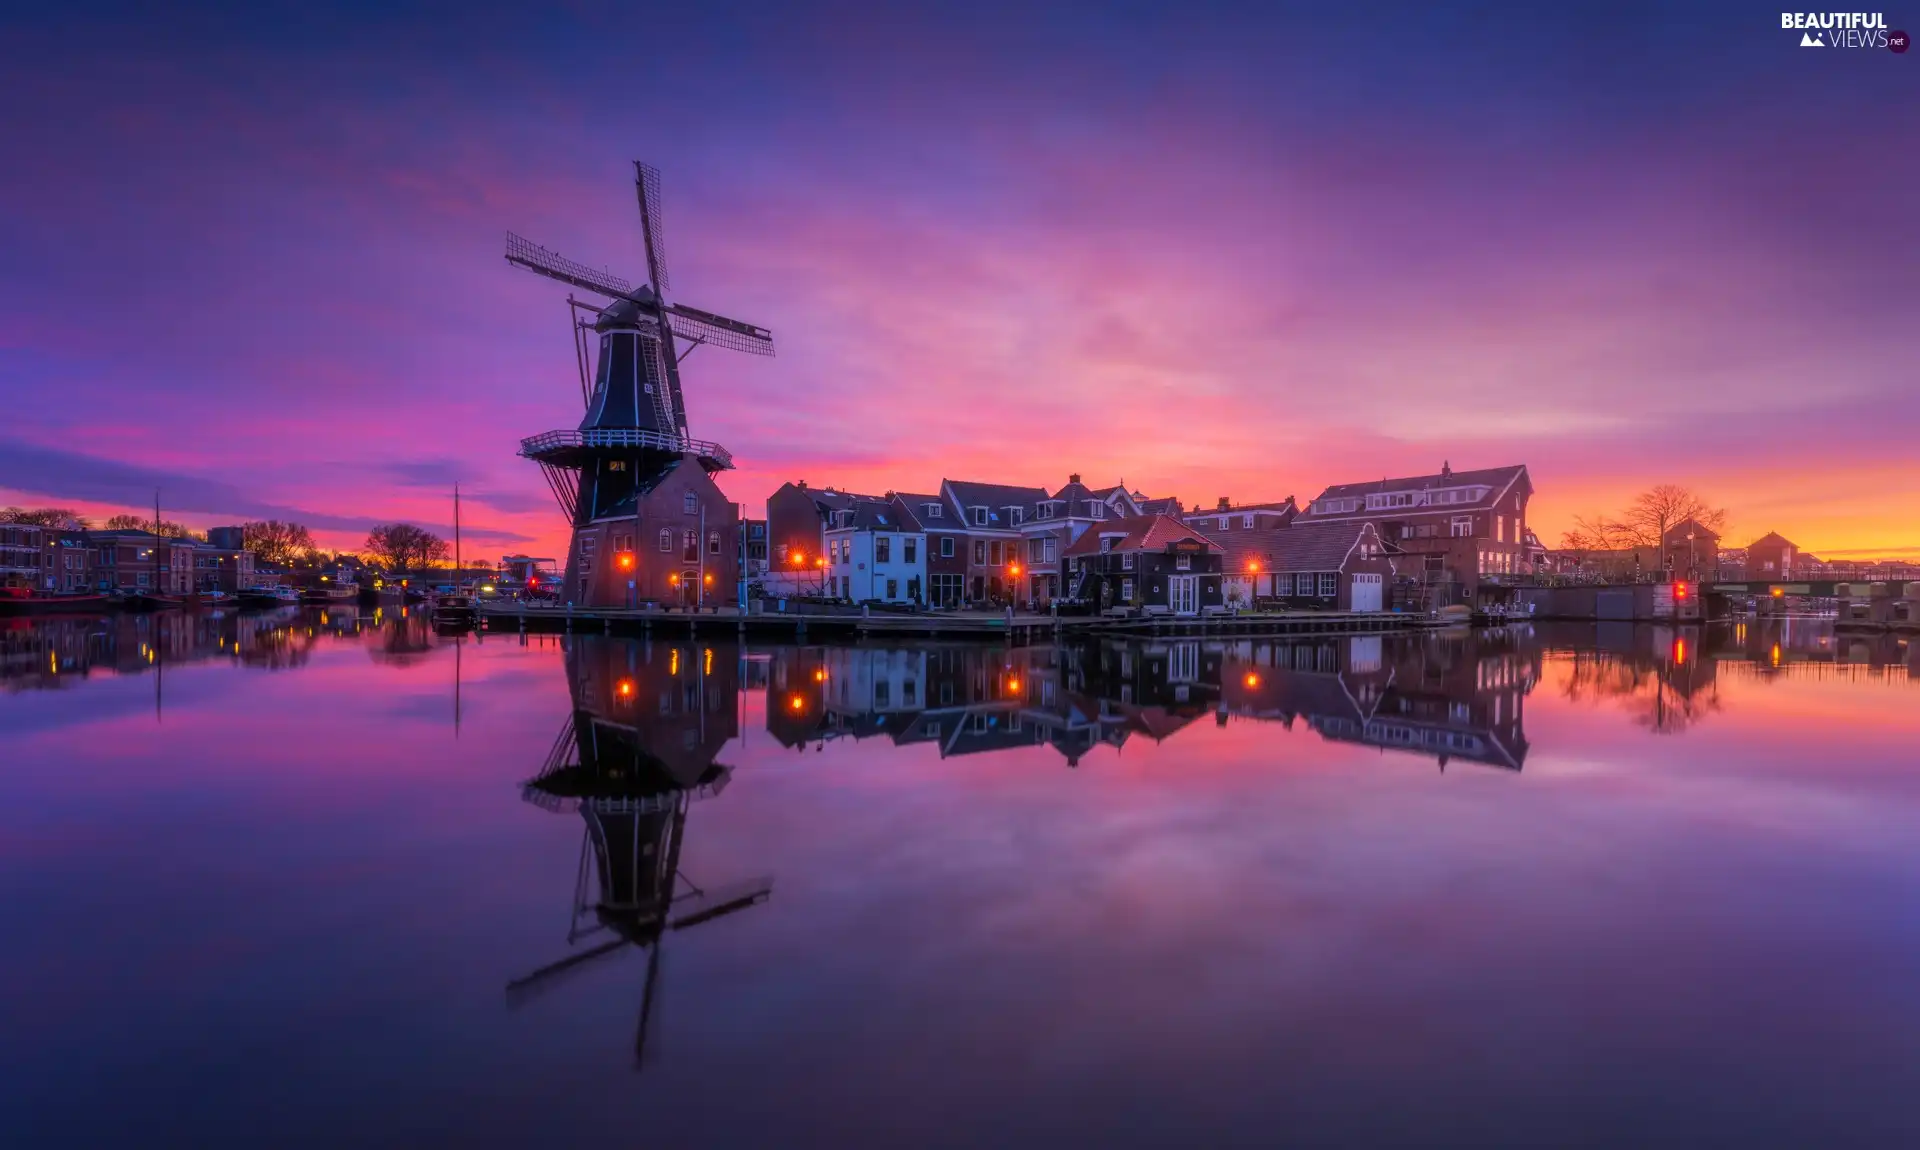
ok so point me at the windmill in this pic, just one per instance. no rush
(635, 424)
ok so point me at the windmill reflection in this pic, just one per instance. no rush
(637, 752)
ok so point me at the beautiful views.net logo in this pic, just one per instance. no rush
(1843, 30)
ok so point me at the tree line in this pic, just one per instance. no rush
(394, 546)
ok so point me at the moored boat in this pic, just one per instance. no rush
(269, 595)
(144, 601)
(454, 611)
(21, 602)
(327, 596)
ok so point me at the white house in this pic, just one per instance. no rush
(876, 551)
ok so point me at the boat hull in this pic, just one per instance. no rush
(57, 605)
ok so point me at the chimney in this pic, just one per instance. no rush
(1226, 504)
(1074, 478)
(1446, 469)
(802, 485)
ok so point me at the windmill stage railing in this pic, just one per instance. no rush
(556, 442)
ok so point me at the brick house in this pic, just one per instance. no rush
(1343, 566)
(671, 539)
(1466, 530)
(1153, 563)
(1772, 556)
(993, 514)
(797, 523)
(947, 550)
(1058, 521)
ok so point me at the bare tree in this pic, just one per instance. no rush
(1645, 522)
(402, 546)
(61, 517)
(1656, 511)
(278, 543)
(165, 527)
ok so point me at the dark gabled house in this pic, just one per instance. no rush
(1059, 520)
(1467, 528)
(1153, 563)
(1772, 556)
(1341, 566)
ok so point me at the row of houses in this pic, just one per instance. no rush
(1444, 537)
(61, 561)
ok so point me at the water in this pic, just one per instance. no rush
(312, 880)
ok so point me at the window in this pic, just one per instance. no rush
(994, 550)
(1096, 511)
(932, 510)
(1183, 563)
(1246, 521)
(666, 539)
(979, 553)
(1126, 558)
(1283, 585)
(713, 543)
(883, 551)
(979, 516)
(1013, 516)
(893, 589)
(690, 503)
(909, 692)
(690, 545)
(1329, 584)
(1051, 553)
(946, 547)
(1463, 527)
(1126, 590)
(1045, 512)
(1223, 523)
(911, 550)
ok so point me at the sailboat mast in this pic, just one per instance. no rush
(456, 537)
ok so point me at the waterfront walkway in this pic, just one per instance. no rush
(1018, 627)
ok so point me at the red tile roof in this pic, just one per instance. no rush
(1139, 533)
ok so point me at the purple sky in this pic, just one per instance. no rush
(253, 256)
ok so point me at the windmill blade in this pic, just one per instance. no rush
(646, 188)
(528, 986)
(707, 905)
(527, 254)
(706, 327)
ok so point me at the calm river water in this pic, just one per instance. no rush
(331, 881)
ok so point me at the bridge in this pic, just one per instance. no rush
(1800, 588)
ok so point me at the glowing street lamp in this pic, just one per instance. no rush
(624, 561)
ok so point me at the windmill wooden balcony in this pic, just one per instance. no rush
(569, 449)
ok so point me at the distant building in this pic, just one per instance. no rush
(797, 524)
(1772, 556)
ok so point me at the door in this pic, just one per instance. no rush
(1183, 594)
(1368, 592)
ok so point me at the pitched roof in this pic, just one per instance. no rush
(996, 498)
(1168, 506)
(871, 514)
(1774, 538)
(1498, 479)
(1138, 533)
(916, 502)
(1316, 546)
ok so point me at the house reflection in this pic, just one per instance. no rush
(1445, 697)
(638, 750)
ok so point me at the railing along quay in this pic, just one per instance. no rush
(1016, 627)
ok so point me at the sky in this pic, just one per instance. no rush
(251, 254)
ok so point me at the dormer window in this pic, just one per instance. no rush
(1013, 516)
(932, 510)
(1246, 521)
(1096, 511)
(979, 516)
(1046, 511)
